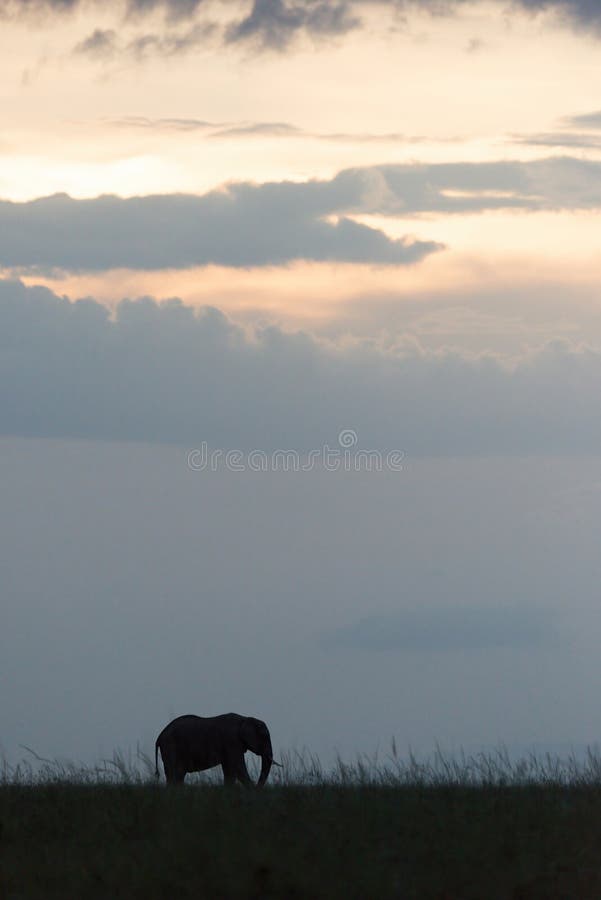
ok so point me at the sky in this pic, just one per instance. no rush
(300, 357)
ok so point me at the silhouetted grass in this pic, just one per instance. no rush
(479, 826)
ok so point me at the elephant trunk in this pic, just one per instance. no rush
(266, 761)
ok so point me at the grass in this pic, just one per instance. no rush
(479, 827)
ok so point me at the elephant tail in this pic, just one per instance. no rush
(156, 759)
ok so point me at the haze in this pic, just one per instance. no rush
(273, 229)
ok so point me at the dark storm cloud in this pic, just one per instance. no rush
(166, 373)
(243, 225)
(445, 628)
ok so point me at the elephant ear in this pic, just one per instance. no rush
(247, 733)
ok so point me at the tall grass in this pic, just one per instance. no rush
(445, 827)
(302, 768)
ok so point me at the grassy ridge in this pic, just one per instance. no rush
(339, 838)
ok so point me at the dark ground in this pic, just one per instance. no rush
(456, 843)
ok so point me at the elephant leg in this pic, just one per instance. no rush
(242, 773)
(229, 776)
(234, 769)
(174, 772)
(178, 776)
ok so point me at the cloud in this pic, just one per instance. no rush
(581, 13)
(164, 124)
(446, 628)
(475, 45)
(270, 25)
(575, 131)
(546, 184)
(244, 130)
(241, 225)
(170, 44)
(286, 130)
(246, 224)
(100, 44)
(104, 44)
(560, 139)
(175, 9)
(258, 129)
(162, 372)
(273, 23)
(584, 120)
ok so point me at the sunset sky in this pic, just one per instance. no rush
(255, 225)
(470, 132)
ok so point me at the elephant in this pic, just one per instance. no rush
(193, 744)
